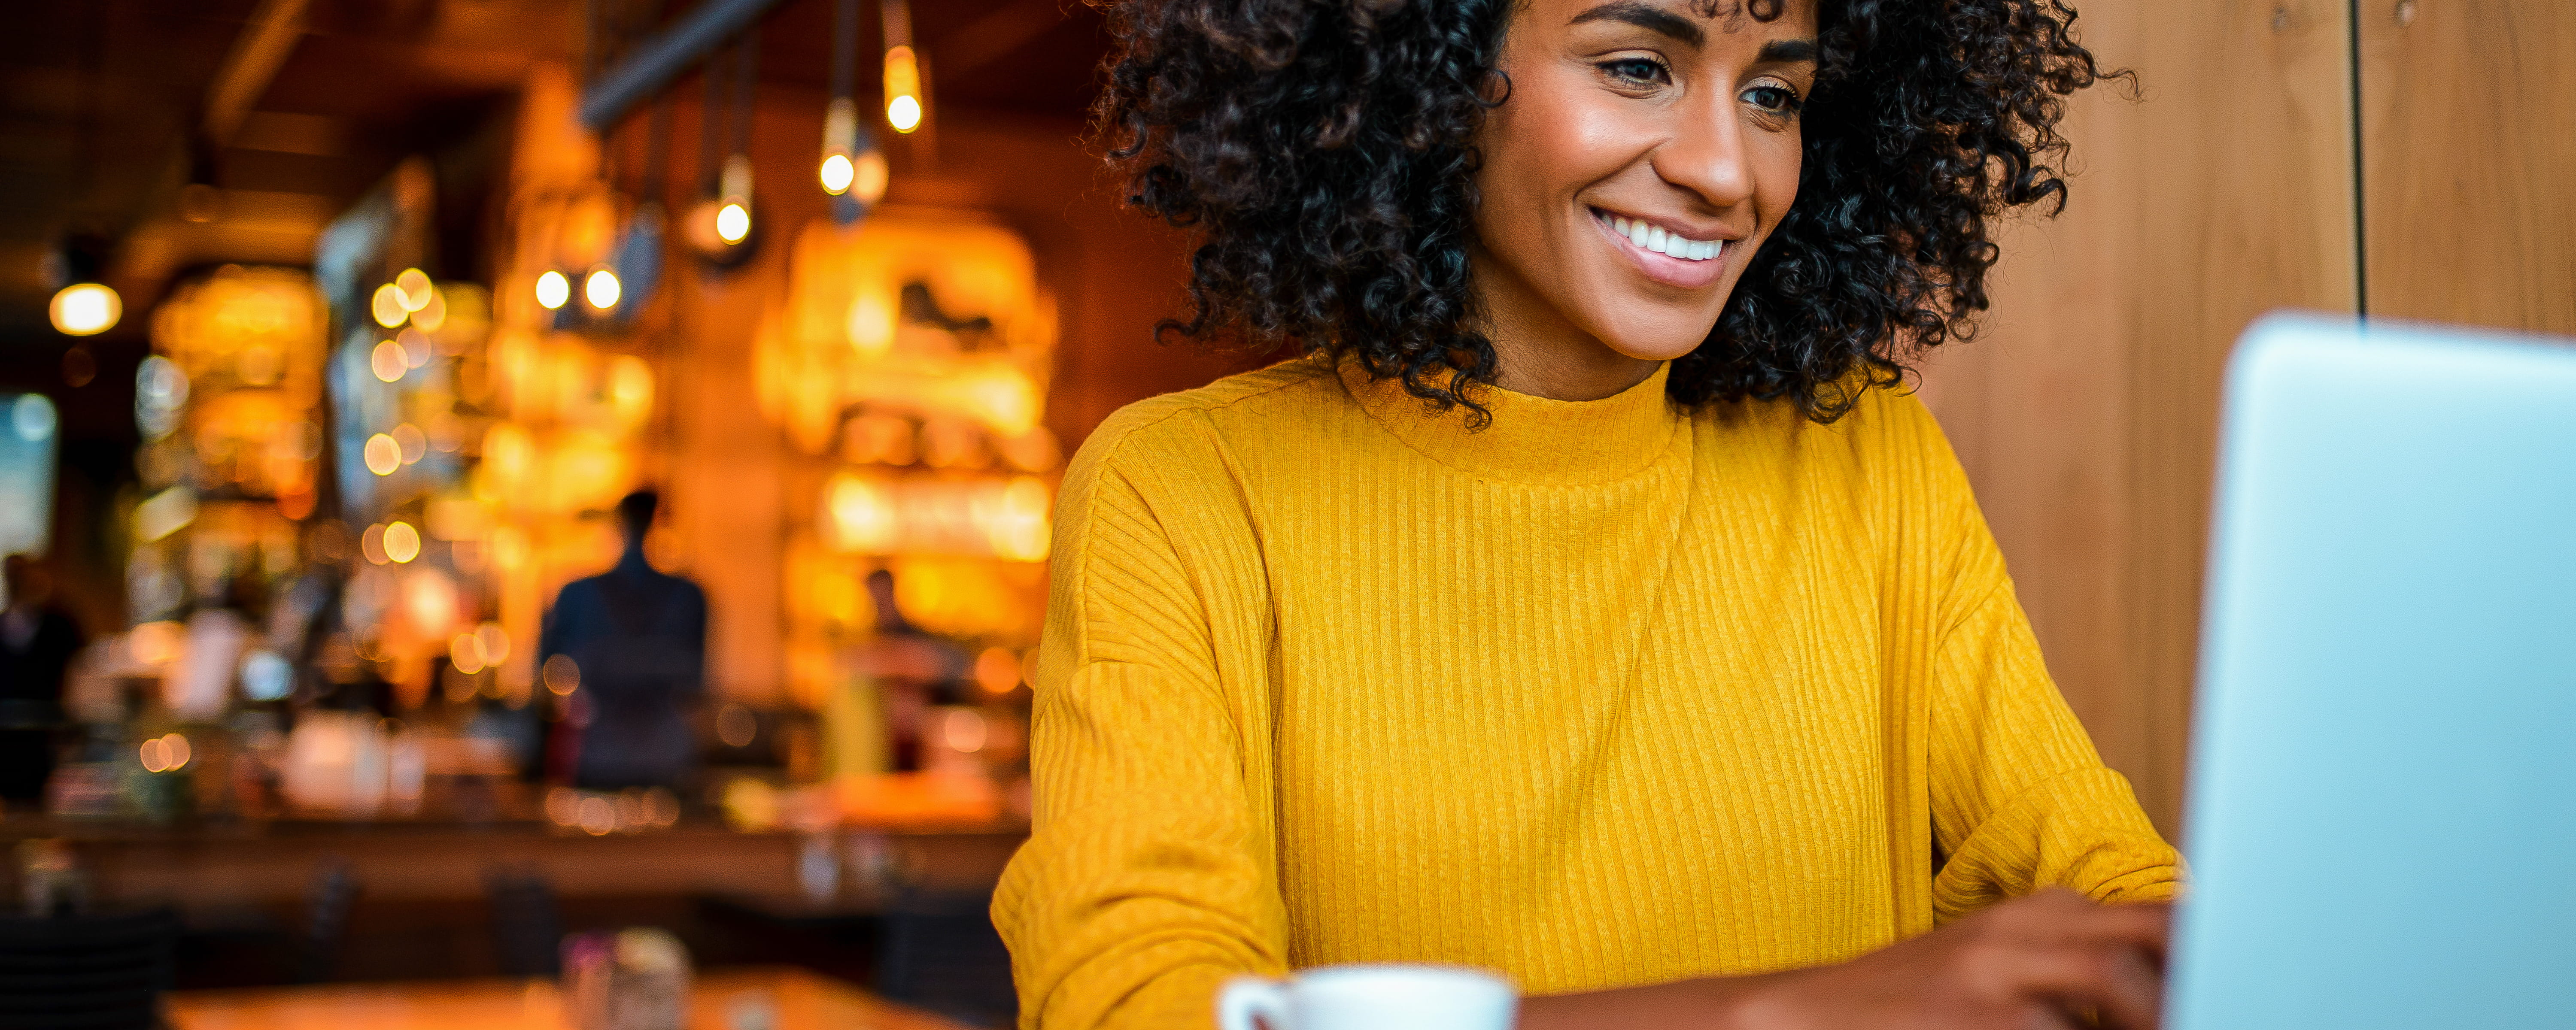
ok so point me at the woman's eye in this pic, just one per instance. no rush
(1635, 69)
(1776, 99)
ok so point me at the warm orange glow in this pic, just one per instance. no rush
(402, 542)
(412, 289)
(154, 643)
(414, 444)
(387, 306)
(963, 730)
(553, 290)
(465, 651)
(383, 454)
(869, 176)
(903, 89)
(165, 753)
(997, 670)
(733, 222)
(561, 676)
(85, 309)
(601, 289)
(837, 174)
(433, 315)
(494, 641)
(386, 361)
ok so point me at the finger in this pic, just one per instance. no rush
(2057, 923)
(2116, 980)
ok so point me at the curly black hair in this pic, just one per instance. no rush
(1323, 150)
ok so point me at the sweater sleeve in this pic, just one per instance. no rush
(2020, 799)
(1146, 881)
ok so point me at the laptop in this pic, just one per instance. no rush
(2381, 821)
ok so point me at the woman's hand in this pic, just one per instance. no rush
(2027, 964)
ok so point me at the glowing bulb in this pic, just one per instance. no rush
(903, 89)
(384, 454)
(600, 289)
(85, 309)
(387, 306)
(553, 290)
(868, 178)
(402, 543)
(837, 174)
(388, 361)
(733, 223)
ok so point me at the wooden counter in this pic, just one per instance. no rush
(275, 862)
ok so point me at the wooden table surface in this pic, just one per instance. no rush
(799, 1000)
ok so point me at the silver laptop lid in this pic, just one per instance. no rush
(2382, 812)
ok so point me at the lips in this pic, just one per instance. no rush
(1664, 256)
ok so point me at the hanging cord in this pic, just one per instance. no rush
(711, 130)
(657, 131)
(746, 74)
(845, 48)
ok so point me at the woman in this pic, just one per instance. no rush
(1590, 603)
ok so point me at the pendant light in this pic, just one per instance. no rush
(907, 103)
(721, 227)
(853, 171)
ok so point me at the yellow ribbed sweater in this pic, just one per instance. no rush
(1604, 694)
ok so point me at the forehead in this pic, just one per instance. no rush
(1759, 18)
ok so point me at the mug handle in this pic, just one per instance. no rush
(1245, 997)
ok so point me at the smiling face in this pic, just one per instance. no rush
(1645, 150)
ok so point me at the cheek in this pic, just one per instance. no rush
(1777, 163)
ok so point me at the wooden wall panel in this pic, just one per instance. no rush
(2087, 414)
(2469, 174)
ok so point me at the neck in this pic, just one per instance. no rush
(1541, 352)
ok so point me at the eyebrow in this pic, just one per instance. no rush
(1662, 22)
(1645, 16)
(1787, 51)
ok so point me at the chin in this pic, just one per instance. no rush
(1650, 335)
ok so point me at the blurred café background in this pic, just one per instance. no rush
(338, 338)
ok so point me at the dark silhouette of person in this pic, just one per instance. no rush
(638, 639)
(37, 644)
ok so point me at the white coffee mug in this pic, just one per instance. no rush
(1370, 997)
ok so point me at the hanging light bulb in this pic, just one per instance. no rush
(903, 89)
(553, 290)
(840, 132)
(733, 220)
(837, 173)
(85, 309)
(600, 288)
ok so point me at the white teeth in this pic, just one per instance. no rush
(1656, 239)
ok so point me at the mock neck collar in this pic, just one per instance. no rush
(1531, 439)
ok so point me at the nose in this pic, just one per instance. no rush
(1706, 156)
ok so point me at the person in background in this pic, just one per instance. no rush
(912, 669)
(637, 637)
(37, 642)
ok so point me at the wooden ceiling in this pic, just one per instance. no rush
(110, 108)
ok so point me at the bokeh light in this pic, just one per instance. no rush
(85, 309)
(553, 290)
